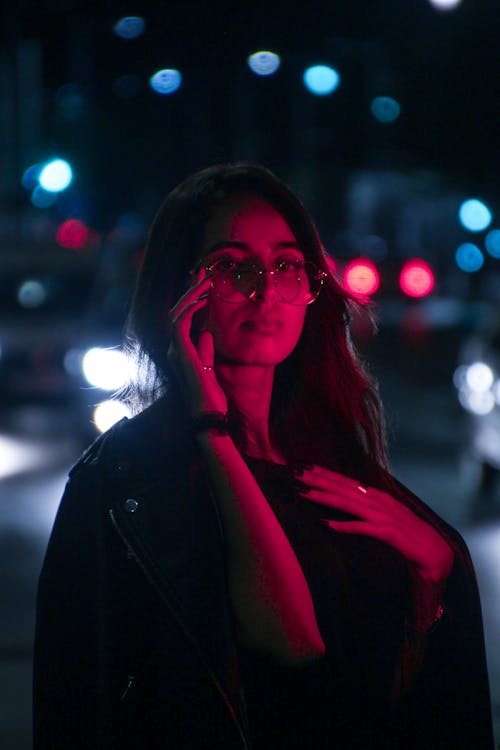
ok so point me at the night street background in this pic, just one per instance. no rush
(384, 178)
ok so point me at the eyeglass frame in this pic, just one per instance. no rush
(322, 275)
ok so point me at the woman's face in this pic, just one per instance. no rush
(263, 330)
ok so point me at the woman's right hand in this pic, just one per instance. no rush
(194, 365)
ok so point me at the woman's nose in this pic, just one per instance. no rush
(265, 288)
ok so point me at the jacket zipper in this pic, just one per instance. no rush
(132, 553)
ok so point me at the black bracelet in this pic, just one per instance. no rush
(212, 420)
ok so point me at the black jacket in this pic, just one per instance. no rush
(134, 645)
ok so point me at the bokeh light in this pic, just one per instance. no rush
(474, 215)
(31, 294)
(361, 277)
(107, 369)
(30, 176)
(476, 387)
(56, 175)
(492, 243)
(129, 27)
(108, 413)
(385, 109)
(477, 402)
(321, 79)
(479, 376)
(41, 198)
(416, 278)
(73, 234)
(469, 257)
(445, 4)
(264, 63)
(166, 81)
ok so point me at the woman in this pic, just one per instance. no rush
(235, 567)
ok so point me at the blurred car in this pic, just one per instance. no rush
(49, 318)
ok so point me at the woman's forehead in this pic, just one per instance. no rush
(247, 219)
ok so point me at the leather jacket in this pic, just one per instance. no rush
(134, 645)
(134, 642)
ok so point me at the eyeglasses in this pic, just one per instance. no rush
(297, 282)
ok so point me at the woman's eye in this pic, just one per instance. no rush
(290, 264)
(225, 264)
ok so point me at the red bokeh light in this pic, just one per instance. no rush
(416, 278)
(361, 277)
(73, 234)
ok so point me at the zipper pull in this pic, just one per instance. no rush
(130, 682)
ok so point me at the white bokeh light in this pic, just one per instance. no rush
(264, 63)
(445, 4)
(108, 369)
(56, 176)
(479, 377)
(477, 402)
(108, 413)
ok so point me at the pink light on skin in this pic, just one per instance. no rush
(416, 278)
(264, 330)
(361, 277)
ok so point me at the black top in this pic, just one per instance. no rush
(360, 589)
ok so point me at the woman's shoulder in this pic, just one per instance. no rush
(144, 442)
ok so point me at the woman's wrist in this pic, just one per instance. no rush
(211, 421)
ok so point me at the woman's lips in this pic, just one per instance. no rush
(261, 326)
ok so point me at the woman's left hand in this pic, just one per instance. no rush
(383, 517)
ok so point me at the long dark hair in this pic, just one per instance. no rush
(325, 407)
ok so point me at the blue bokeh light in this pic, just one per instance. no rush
(166, 81)
(264, 63)
(385, 109)
(474, 215)
(321, 80)
(469, 257)
(31, 293)
(56, 176)
(492, 243)
(129, 27)
(30, 177)
(41, 198)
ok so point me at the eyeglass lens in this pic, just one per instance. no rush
(236, 282)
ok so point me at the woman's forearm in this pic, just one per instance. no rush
(272, 604)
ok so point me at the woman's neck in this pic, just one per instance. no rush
(249, 389)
